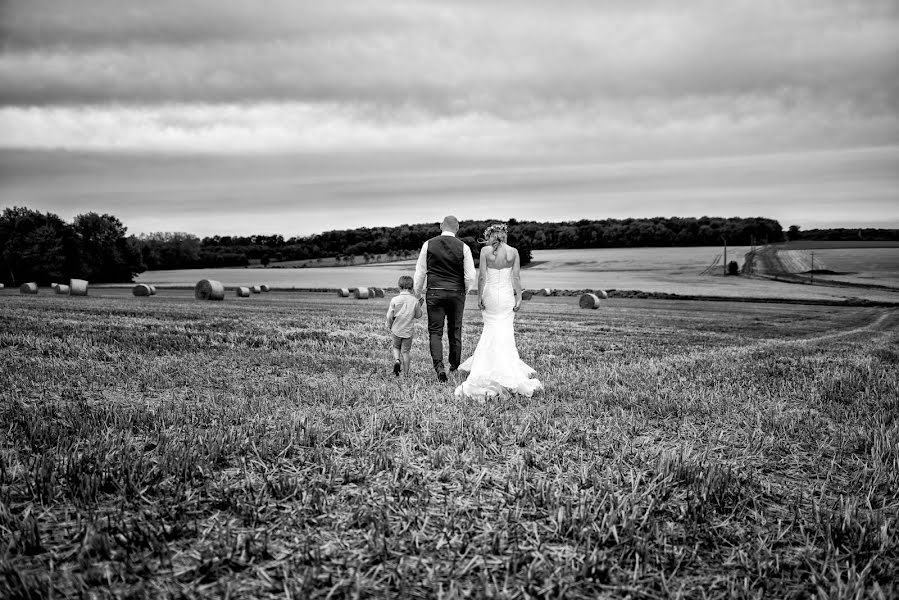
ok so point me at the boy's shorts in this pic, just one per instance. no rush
(403, 344)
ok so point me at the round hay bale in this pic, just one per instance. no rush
(376, 292)
(152, 290)
(2, 286)
(243, 292)
(77, 287)
(546, 292)
(62, 289)
(28, 288)
(209, 289)
(527, 294)
(141, 289)
(589, 301)
(265, 288)
(343, 292)
(602, 294)
(361, 293)
(256, 289)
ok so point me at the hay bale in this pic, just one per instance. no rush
(527, 294)
(152, 290)
(141, 289)
(2, 286)
(546, 292)
(265, 288)
(256, 289)
(376, 292)
(77, 287)
(589, 301)
(361, 293)
(209, 289)
(62, 289)
(343, 292)
(243, 292)
(603, 295)
(28, 288)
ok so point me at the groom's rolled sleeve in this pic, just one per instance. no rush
(421, 271)
(470, 275)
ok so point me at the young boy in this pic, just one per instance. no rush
(404, 308)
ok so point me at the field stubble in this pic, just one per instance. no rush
(682, 449)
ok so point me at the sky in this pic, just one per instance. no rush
(240, 117)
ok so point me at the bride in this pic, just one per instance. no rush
(495, 365)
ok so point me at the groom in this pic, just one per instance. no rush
(445, 271)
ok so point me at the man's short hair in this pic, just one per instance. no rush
(450, 223)
(405, 282)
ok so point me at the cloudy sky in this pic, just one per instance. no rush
(239, 116)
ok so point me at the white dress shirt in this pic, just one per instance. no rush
(421, 267)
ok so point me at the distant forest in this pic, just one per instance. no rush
(43, 248)
(405, 240)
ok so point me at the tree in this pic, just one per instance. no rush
(106, 254)
(170, 250)
(793, 233)
(38, 247)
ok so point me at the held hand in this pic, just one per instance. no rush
(481, 304)
(517, 306)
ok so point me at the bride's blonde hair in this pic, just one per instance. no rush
(495, 235)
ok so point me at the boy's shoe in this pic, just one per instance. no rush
(397, 368)
(441, 376)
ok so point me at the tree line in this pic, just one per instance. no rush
(41, 247)
(844, 234)
(405, 240)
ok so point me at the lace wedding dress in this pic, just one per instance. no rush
(495, 365)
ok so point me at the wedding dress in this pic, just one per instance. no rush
(495, 365)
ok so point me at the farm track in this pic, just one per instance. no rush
(881, 326)
(791, 266)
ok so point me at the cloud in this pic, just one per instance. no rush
(341, 89)
(304, 194)
(606, 130)
(487, 56)
(591, 76)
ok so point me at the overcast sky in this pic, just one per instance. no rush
(239, 116)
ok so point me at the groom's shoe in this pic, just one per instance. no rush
(397, 368)
(441, 376)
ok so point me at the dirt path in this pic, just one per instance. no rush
(882, 325)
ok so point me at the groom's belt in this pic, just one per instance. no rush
(443, 289)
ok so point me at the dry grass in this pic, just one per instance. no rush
(683, 449)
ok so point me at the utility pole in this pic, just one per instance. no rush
(725, 254)
(813, 268)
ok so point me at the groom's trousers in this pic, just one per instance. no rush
(445, 305)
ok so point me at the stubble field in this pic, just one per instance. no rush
(261, 448)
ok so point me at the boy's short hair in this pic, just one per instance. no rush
(406, 283)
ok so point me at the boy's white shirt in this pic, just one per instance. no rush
(391, 313)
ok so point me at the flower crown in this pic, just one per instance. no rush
(495, 228)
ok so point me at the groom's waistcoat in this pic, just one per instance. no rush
(446, 266)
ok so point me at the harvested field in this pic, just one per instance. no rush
(652, 270)
(182, 448)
